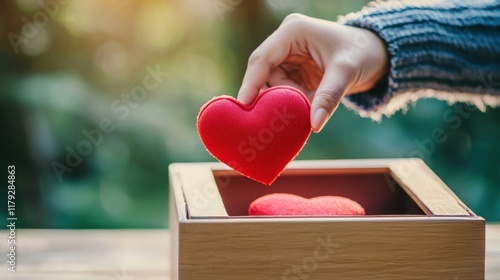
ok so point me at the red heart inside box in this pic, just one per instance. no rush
(284, 204)
(260, 139)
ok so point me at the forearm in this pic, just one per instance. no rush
(448, 50)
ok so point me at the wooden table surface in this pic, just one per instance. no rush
(125, 254)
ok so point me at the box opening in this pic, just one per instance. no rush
(375, 189)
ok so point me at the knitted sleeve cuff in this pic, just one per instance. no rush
(442, 50)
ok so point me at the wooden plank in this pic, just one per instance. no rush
(177, 201)
(492, 251)
(200, 190)
(142, 254)
(409, 249)
(377, 165)
(174, 219)
(89, 254)
(421, 184)
(382, 163)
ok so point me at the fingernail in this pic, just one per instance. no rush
(319, 120)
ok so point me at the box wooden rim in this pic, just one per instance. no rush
(194, 185)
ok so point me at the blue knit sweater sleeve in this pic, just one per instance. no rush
(448, 50)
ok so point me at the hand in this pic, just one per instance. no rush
(324, 59)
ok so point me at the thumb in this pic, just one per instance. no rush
(327, 97)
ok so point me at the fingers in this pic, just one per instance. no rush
(278, 77)
(271, 53)
(327, 97)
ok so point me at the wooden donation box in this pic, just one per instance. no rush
(414, 227)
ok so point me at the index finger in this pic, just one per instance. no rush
(271, 53)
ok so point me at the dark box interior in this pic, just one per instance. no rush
(375, 190)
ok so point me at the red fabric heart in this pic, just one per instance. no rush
(258, 140)
(283, 204)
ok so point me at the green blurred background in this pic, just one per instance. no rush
(68, 65)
